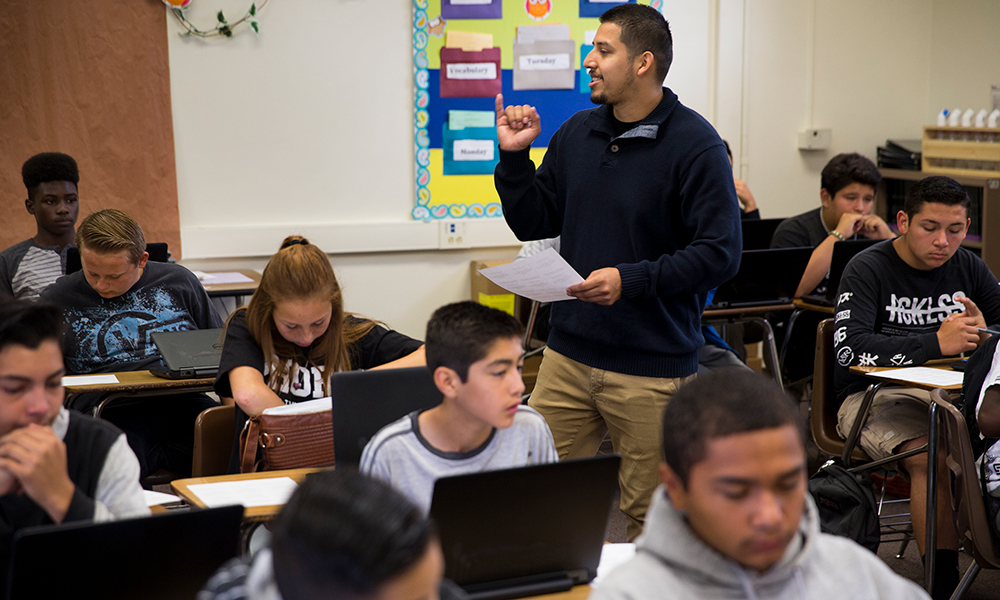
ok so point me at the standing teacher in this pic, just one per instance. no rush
(641, 191)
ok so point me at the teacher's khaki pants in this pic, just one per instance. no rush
(581, 404)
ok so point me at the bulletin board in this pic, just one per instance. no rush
(467, 51)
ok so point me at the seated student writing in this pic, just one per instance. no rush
(113, 305)
(56, 466)
(29, 267)
(341, 535)
(474, 353)
(733, 518)
(294, 335)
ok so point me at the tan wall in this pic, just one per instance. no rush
(90, 79)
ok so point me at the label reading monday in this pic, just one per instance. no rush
(544, 62)
(473, 149)
(472, 71)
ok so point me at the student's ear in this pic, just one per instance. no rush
(645, 63)
(675, 487)
(447, 381)
(143, 260)
(902, 222)
(29, 205)
(825, 198)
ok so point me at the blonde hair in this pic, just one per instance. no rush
(110, 231)
(301, 271)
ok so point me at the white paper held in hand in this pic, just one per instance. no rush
(543, 277)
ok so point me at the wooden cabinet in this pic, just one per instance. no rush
(984, 192)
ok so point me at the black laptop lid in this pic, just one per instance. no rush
(167, 557)
(765, 277)
(757, 233)
(191, 353)
(506, 527)
(843, 252)
(366, 401)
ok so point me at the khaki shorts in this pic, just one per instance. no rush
(898, 415)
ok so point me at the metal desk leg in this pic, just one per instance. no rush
(931, 521)
(859, 422)
(788, 335)
(771, 348)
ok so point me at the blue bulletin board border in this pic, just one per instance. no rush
(473, 195)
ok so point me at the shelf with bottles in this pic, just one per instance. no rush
(969, 151)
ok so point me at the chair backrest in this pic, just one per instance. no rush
(158, 252)
(971, 520)
(214, 431)
(823, 409)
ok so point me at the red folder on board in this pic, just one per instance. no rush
(470, 74)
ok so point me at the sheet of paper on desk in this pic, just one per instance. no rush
(925, 375)
(543, 277)
(612, 555)
(75, 380)
(153, 498)
(223, 278)
(251, 492)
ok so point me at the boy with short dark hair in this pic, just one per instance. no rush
(733, 518)
(56, 466)
(902, 303)
(29, 267)
(847, 195)
(474, 353)
(341, 535)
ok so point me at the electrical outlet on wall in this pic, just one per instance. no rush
(453, 235)
(815, 139)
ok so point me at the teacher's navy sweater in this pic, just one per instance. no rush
(658, 203)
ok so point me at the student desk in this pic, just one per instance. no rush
(866, 403)
(236, 290)
(253, 516)
(577, 592)
(136, 384)
(801, 305)
(753, 314)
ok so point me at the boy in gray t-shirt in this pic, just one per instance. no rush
(474, 353)
(27, 268)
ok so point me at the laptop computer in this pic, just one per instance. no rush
(757, 233)
(157, 253)
(160, 557)
(366, 401)
(522, 532)
(765, 277)
(188, 354)
(843, 252)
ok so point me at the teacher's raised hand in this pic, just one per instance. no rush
(517, 126)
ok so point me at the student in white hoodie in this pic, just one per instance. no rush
(733, 518)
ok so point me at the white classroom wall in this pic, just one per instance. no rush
(308, 128)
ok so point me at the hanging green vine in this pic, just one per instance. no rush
(222, 26)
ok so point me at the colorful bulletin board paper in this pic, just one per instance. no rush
(457, 181)
(595, 8)
(471, 9)
(460, 119)
(467, 40)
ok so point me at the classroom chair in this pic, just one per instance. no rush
(823, 427)
(823, 409)
(213, 441)
(967, 505)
